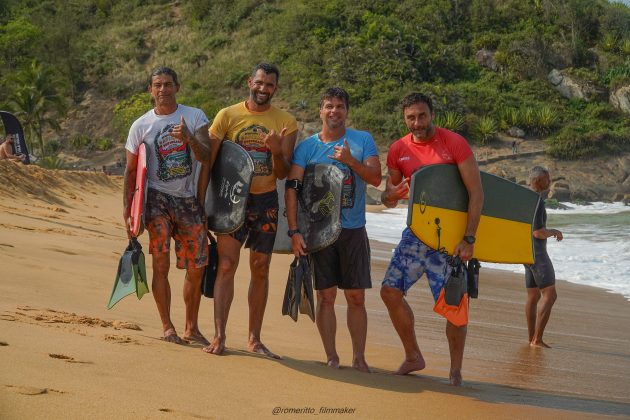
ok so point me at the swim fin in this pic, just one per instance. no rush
(139, 269)
(452, 303)
(307, 300)
(298, 295)
(292, 293)
(131, 276)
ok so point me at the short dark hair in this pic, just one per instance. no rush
(335, 92)
(416, 98)
(537, 172)
(268, 68)
(164, 70)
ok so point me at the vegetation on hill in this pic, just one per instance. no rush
(378, 50)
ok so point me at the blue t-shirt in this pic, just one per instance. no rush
(312, 150)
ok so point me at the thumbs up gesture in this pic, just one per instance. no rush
(181, 132)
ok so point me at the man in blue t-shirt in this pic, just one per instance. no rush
(346, 263)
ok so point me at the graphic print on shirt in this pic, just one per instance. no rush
(174, 160)
(250, 139)
(349, 185)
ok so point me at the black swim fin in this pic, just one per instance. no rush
(210, 275)
(307, 300)
(292, 293)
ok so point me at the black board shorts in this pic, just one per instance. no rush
(345, 263)
(261, 222)
(540, 274)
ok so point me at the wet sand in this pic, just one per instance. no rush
(64, 355)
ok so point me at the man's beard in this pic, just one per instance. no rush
(254, 97)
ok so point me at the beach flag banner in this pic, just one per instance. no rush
(12, 126)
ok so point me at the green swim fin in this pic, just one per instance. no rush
(139, 270)
(131, 275)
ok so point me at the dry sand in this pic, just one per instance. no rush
(64, 355)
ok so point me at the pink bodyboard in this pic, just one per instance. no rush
(139, 194)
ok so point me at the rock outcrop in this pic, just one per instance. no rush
(572, 87)
(620, 98)
(516, 132)
(560, 191)
(485, 58)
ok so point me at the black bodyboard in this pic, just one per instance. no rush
(228, 189)
(319, 209)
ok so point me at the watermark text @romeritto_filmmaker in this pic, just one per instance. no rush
(312, 410)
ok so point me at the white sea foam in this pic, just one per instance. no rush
(595, 250)
(593, 208)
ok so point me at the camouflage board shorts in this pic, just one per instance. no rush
(183, 219)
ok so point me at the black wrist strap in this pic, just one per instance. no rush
(296, 184)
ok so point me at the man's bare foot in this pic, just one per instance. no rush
(409, 366)
(539, 343)
(170, 336)
(333, 362)
(455, 378)
(196, 338)
(217, 346)
(259, 348)
(361, 366)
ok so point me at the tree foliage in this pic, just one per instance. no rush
(378, 50)
(36, 100)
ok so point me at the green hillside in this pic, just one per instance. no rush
(54, 51)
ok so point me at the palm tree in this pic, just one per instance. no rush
(36, 100)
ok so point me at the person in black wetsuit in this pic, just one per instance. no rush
(540, 277)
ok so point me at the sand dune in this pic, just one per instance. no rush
(64, 355)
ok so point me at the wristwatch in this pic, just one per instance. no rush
(292, 232)
(468, 239)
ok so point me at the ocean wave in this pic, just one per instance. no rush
(597, 207)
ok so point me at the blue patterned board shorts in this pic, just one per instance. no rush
(411, 259)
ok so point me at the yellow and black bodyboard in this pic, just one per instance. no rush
(439, 199)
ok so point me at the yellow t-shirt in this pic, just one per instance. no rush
(244, 127)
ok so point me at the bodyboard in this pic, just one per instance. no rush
(12, 126)
(228, 189)
(319, 209)
(439, 199)
(140, 193)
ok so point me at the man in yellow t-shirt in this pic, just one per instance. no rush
(269, 135)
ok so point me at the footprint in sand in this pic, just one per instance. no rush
(62, 251)
(120, 339)
(60, 356)
(187, 414)
(51, 316)
(68, 358)
(71, 322)
(31, 390)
